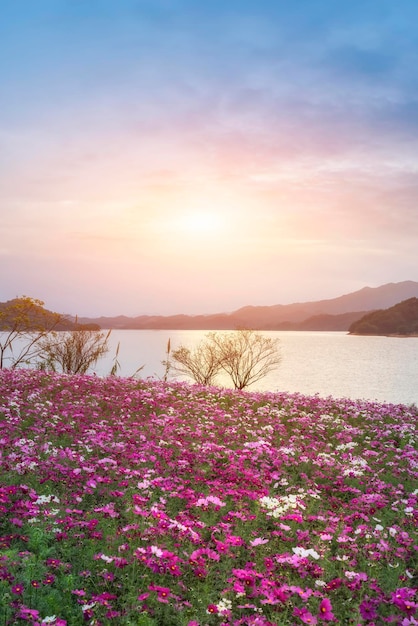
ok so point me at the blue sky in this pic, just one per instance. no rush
(179, 156)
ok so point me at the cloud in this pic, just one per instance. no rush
(296, 120)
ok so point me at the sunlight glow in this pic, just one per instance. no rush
(200, 223)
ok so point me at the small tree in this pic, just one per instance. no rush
(73, 352)
(246, 356)
(23, 324)
(202, 363)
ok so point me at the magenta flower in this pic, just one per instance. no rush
(367, 610)
(163, 593)
(403, 599)
(305, 616)
(27, 614)
(173, 444)
(325, 611)
(143, 596)
(18, 589)
(104, 598)
(49, 579)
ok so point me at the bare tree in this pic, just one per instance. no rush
(202, 363)
(72, 352)
(23, 324)
(246, 356)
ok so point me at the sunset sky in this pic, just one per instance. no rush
(196, 156)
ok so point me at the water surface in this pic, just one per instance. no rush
(325, 363)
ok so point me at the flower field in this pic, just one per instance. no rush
(146, 503)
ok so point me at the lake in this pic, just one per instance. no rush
(325, 363)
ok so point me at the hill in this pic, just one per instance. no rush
(27, 314)
(332, 314)
(401, 319)
(336, 314)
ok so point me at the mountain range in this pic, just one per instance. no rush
(336, 314)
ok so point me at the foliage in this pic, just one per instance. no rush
(401, 319)
(149, 503)
(23, 324)
(73, 352)
(246, 356)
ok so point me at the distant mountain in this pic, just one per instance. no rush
(333, 314)
(401, 319)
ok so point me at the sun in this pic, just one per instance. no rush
(194, 226)
(200, 223)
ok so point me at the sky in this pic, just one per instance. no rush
(190, 156)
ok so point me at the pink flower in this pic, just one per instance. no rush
(305, 616)
(325, 611)
(258, 541)
(79, 592)
(143, 596)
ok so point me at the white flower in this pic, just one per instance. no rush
(155, 550)
(302, 552)
(224, 606)
(107, 559)
(144, 484)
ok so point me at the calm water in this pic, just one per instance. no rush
(324, 363)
